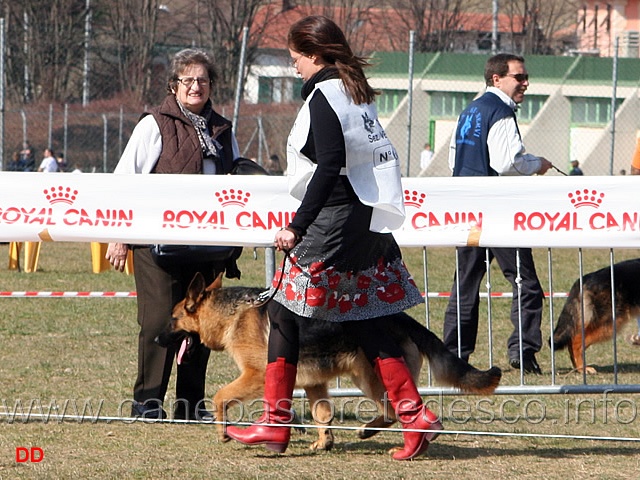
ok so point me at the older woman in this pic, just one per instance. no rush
(182, 135)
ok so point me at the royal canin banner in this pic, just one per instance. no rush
(538, 211)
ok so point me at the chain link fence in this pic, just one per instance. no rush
(92, 140)
(581, 109)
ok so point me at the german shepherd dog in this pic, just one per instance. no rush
(597, 307)
(235, 319)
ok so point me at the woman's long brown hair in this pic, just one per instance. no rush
(319, 36)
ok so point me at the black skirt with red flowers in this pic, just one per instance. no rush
(342, 271)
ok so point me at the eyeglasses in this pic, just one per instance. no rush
(188, 81)
(519, 77)
(294, 61)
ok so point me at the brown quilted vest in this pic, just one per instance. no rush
(181, 150)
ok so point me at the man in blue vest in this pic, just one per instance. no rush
(487, 142)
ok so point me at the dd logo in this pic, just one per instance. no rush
(33, 454)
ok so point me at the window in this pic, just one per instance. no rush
(387, 103)
(278, 89)
(450, 104)
(530, 107)
(485, 41)
(591, 111)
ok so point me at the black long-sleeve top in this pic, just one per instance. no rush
(325, 147)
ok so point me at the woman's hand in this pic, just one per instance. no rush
(117, 255)
(285, 240)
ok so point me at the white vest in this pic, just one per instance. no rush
(372, 162)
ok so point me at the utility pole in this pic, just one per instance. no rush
(494, 29)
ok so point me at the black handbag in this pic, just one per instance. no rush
(246, 166)
(167, 256)
(171, 256)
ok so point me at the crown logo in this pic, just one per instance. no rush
(60, 195)
(232, 196)
(586, 198)
(413, 198)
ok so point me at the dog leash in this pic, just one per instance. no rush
(266, 296)
(558, 170)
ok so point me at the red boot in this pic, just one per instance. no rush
(280, 378)
(410, 411)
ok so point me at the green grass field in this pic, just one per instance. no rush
(80, 353)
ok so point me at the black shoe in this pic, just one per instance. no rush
(200, 415)
(149, 410)
(530, 364)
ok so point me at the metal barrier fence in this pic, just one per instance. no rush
(610, 380)
(574, 382)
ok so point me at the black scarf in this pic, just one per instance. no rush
(324, 74)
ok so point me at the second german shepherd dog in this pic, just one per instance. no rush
(234, 320)
(597, 307)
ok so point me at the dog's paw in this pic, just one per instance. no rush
(325, 440)
(364, 433)
(393, 450)
(589, 370)
(370, 429)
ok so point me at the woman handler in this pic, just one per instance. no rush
(342, 265)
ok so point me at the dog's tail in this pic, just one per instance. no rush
(447, 368)
(567, 321)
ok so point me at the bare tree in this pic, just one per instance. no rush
(534, 23)
(125, 36)
(351, 15)
(541, 20)
(434, 22)
(132, 41)
(137, 39)
(42, 41)
(223, 24)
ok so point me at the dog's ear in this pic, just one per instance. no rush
(196, 287)
(194, 292)
(217, 283)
